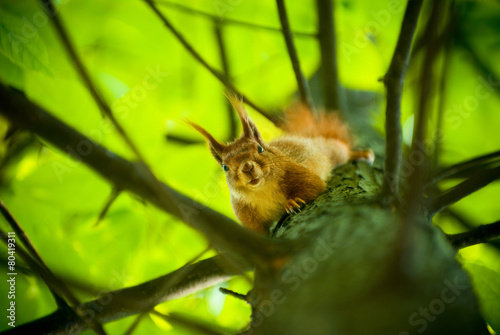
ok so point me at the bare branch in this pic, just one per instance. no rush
(77, 62)
(465, 222)
(223, 233)
(134, 324)
(58, 286)
(111, 199)
(197, 326)
(183, 140)
(221, 77)
(302, 84)
(474, 165)
(446, 39)
(462, 190)
(394, 80)
(225, 67)
(327, 43)
(414, 191)
(493, 81)
(240, 296)
(481, 234)
(21, 235)
(142, 298)
(226, 20)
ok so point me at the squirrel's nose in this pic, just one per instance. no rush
(247, 167)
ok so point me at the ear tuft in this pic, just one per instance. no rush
(249, 128)
(215, 146)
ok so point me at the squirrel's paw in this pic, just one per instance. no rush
(365, 155)
(291, 205)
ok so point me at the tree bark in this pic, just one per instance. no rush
(355, 278)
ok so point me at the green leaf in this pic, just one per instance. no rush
(487, 285)
(21, 43)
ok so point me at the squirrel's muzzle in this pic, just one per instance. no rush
(247, 167)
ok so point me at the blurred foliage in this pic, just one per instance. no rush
(151, 82)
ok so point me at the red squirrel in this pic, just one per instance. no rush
(268, 179)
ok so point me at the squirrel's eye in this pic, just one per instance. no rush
(225, 167)
(260, 149)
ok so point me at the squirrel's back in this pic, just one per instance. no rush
(319, 142)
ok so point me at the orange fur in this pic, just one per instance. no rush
(268, 179)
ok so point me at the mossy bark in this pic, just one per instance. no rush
(356, 276)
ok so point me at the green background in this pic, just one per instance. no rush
(57, 200)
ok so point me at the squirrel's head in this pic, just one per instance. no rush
(247, 161)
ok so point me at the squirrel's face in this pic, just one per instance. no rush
(247, 164)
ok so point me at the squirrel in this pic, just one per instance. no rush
(267, 180)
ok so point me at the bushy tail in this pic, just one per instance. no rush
(300, 121)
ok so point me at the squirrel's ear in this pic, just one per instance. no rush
(215, 146)
(249, 128)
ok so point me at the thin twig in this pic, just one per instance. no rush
(183, 140)
(61, 303)
(438, 136)
(481, 234)
(111, 199)
(130, 330)
(327, 43)
(57, 286)
(240, 296)
(221, 231)
(221, 77)
(142, 298)
(195, 325)
(462, 190)
(227, 20)
(394, 80)
(77, 62)
(218, 29)
(302, 84)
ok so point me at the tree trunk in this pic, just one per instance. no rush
(356, 277)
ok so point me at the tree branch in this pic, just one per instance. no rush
(481, 234)
(394, 80)
(327, 43)
(121, 303)
(221, 77)
(462, 190)
(474, 165)
(464, 222)
(223, 233)
(58, 286)
(414, 191)
(305, 94)
(218, 29)
(483, 68)
(226, 20)
(199, 327)
(111, 199)
(183, 140)
(77, 62)
(35, 256)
